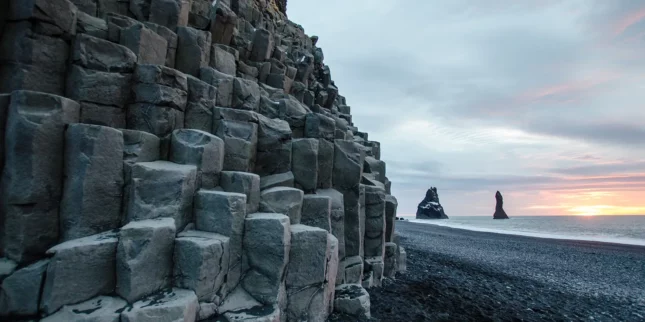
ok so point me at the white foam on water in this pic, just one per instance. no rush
(603, 239)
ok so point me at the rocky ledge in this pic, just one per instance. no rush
(429, 207)
(499, 207)
(191, 160)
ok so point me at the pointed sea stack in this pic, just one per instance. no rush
(499, 209)
(430, 208)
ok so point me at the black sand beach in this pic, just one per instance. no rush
(460, 275)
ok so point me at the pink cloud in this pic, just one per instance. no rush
(628, 21)
(565, 90)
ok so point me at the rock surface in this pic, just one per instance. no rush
(499, 207)
(194, 144)
(429, 207)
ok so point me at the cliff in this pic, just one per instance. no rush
(429, 207)
(191, 160)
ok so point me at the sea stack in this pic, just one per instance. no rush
(430, 208)
(499, 209)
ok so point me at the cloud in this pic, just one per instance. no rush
(473, 96)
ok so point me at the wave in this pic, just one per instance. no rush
(603, 239)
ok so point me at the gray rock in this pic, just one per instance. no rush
(199, 16)
(193, 50)
(391, 204)
(144, 258)
(161, 75)
(376, 266)
(238, 300)
(148, 46)
(246, 94)
(320, 126)
(160, 95)
(389, 260)
(158, 120)
(223, 213)
(98, 309)
(316, 211)
(170, 13)
(304, 158)
(172, 305)
(325, 163)
(91, 25)
(352, 299)
(274, 147)
(348, 164)
(401, 260)
(88, 262)
(201, 149)
(102, 88)
(354, 221)
(223, 83)
(7, 267)
(206, 311)
(277, 180)
(331, 275)
(113, 6)
(93, 186)
(171, 41)
(140, 9)
(269, 313)
(262, 45)
(283, 200)
(201, 102)
(139, 146)
(60, 14)
(337, 217)
(353, 269)
(20, 291)
(246, 183)
(32, 61)
(161, 189)
(223, 23)
(241, 140)
(199, 116)
(307, 257)
(88, 7)
(4, 109)
(376, 167)
(368, 280)
(267, 240)
(201, 263)
(33, 172)
(307, 274)
(102, 55)
(223, 59)
(116, 23)
(374, 221)
(104, 115)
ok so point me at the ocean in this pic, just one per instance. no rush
(612, 229)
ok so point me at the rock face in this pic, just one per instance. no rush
(182, 160)
(430, 208)
(499, 209)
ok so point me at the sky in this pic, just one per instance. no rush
(542, 100)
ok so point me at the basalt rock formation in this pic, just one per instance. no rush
(499, 207)
(429, 207)
(185, 159)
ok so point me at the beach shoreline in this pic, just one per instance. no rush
(462, 275)
(552, 237)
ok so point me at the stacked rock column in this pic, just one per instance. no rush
(181, 159)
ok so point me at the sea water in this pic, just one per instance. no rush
(612, 229)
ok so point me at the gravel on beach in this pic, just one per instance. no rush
(461, 275)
